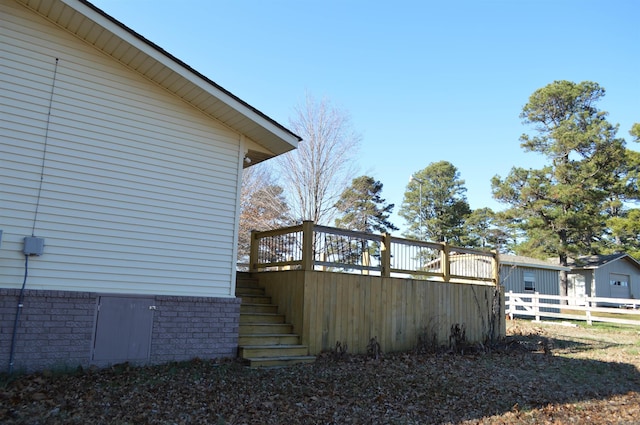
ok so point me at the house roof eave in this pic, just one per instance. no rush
(521, 261)
(535, 266)
(606, 260)
(115, 39)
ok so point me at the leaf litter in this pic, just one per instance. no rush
(541, 373)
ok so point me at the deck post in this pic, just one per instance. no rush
(385, 251)
(253, 251)
(446, 270)
(307, 245)
(495, 265)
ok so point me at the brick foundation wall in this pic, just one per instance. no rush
(56, 329)
(189, 327)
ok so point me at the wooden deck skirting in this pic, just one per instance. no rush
(336, 285)
(325, 308)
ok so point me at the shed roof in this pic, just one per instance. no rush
(595, 261)
(522, 261)
(115, 39)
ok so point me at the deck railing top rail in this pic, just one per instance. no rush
(313, 247)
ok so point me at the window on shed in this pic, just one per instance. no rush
(619, 280)
(529, 281)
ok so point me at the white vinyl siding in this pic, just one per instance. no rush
(139, 189)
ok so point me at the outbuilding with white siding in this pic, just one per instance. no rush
(122, 167)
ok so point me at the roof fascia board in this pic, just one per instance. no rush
(535, 266)
(627, 257)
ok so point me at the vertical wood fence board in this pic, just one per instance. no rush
(403, 308)
(330, 316)
(383, 316)
(375, 307)
(411, 312)
(330, 307)
(396, 316)
(365, 308)
(442, 311)
(344, 307)
(358, 309)
(311, 307)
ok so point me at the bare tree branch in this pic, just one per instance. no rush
(315, 174)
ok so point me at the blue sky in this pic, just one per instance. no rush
(423, 81)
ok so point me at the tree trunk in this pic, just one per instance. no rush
(564, 287)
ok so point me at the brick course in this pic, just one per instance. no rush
(56, 329)
(47, 336)
(182, 328)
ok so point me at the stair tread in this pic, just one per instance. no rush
(254, 296)
(279, 358)
(274, 346)
(271, 334)
(264, 324)
(275, 363)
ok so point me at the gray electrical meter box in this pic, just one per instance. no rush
(33, 245)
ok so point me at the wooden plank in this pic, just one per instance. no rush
(385, 316)
(330, 318)
(353, 309)
(375, 307)
(310, 307)
(356, 311)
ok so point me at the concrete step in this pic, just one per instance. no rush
(269, 339)
(253, 351)
(258, 308)
(273, 362)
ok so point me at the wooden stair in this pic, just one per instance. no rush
(265, 339)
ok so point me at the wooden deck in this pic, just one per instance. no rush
(325, 308)
(341, 286)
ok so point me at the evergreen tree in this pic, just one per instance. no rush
(623, 223)
(625, 230)
(485, 230)
(363, 209)
(435, 205)
(561, 207)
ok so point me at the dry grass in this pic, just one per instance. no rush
(541, 374)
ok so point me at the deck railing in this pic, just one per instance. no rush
(313, 247)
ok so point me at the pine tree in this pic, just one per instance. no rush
(562, 207)
(435, 205)
(362, 207)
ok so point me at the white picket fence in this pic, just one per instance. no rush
(540, 305)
